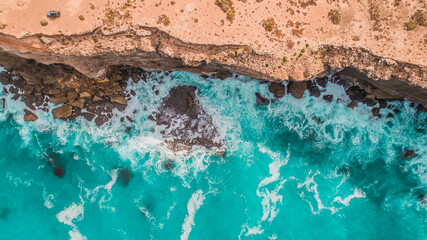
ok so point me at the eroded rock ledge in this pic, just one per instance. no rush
(153, 50)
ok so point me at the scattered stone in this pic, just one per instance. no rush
(29, 104)
(29, 116)
(89, 116)
(328, 98)
(382, 103)
(62, 112)
(125, 175)
(376, 112)
(133, 93)
(101, 120)
(97, 99)
(129, 119)
(352, 105)
(5, 78)
(297, 89)
(119, 99)
(4, 102)
(71, 96)
(260, 100)
(313, 89)
(59, 171)
(278, 89)
(13, 90)
(54, 91)
(58, 100)
(408, 154)
(85, 95)
(420, 108)
(79, 104)
(390, 115)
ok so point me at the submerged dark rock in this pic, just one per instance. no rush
(59, 171)
(187, 123)
(422, 199)
(4, 212)
(260, 100)
(408, 154)
(328, 98)
(278, 89)
(169, 165)
(124, 177)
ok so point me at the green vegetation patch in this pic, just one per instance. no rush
(409, 26)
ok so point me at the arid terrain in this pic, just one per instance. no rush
(382, 41)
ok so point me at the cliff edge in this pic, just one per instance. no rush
(383, 42)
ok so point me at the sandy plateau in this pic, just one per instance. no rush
(381, 41)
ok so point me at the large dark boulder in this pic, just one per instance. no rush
(408, 154)
(278, 89)
(297, 89)
(124, 176)
(59, 171)
(187, 123)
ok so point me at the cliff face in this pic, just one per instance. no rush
(381, 42)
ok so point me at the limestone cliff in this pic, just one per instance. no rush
(382, 42)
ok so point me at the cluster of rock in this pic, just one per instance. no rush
(357, 90)
(187, 123)
(77, 95)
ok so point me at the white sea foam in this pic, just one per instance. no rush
(270, 197)
(311, 186)
(356, 194)
(195, 202)
(73, 213)
(48, 198)
(76, 235)
(254, 230)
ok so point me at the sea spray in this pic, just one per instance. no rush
(293, 169)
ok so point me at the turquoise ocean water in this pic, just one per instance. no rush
(294, 169)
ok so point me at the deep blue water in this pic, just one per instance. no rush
(295, 169)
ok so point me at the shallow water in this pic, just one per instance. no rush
(295, 169)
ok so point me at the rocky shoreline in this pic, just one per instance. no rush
(96, 99)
